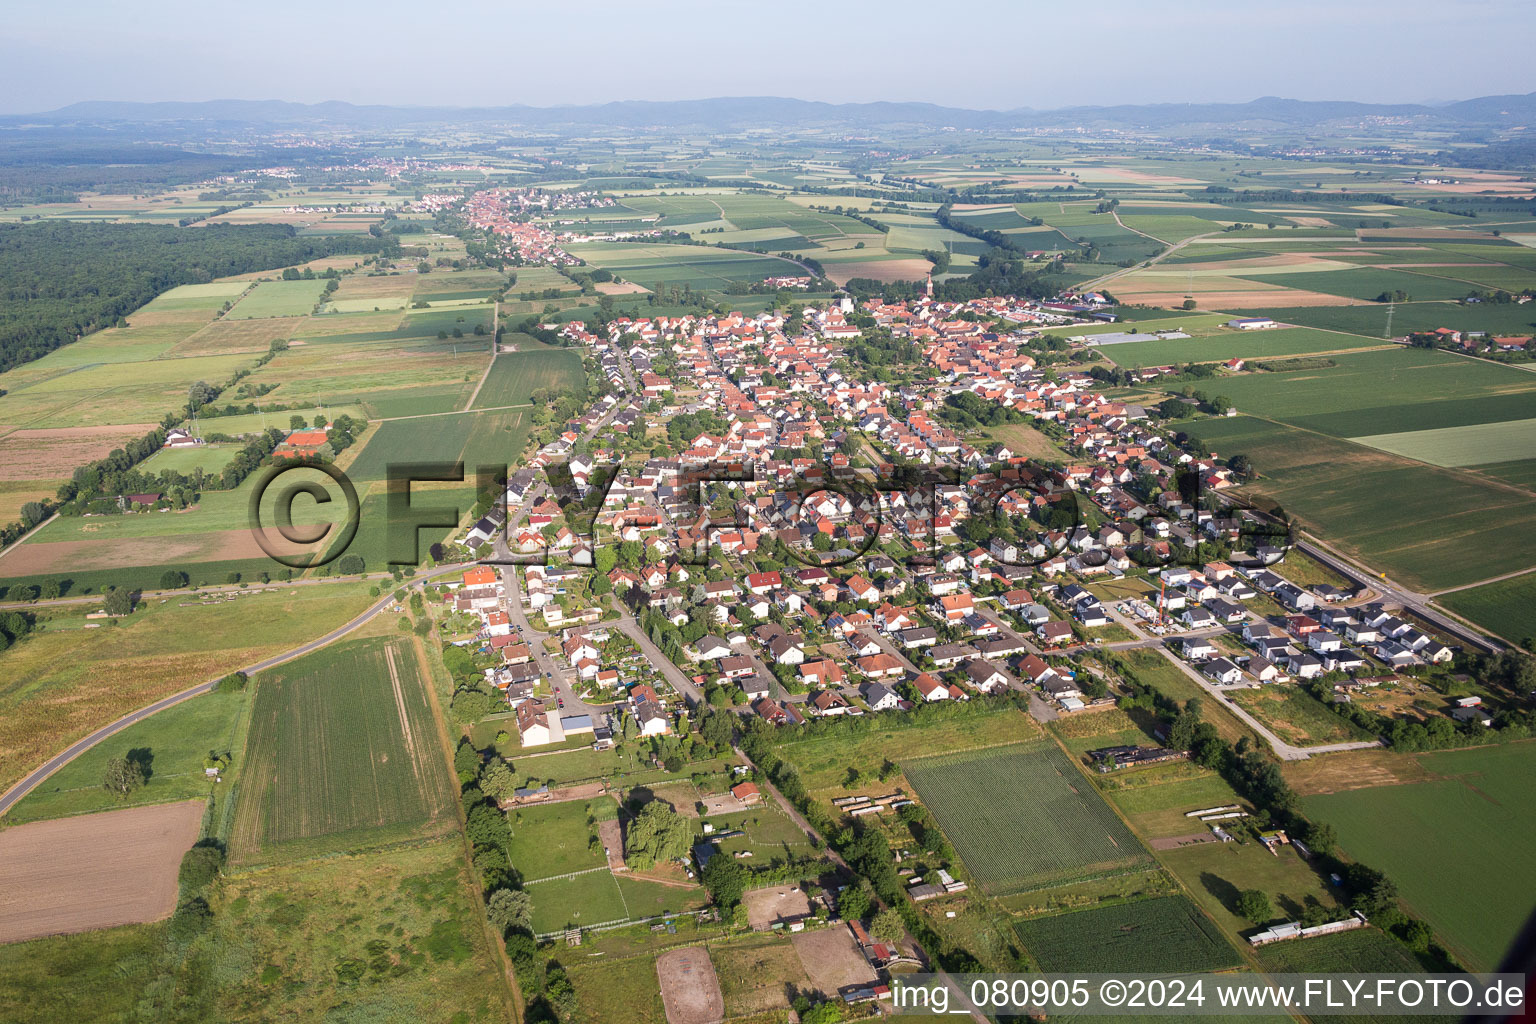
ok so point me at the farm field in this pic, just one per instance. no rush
(405, 378)
(1472, 445)
(55, 880)
(33, 454)
(278, 298)
(478, 438)
(1364, 950)
(50, 689)
(515, 376)
(1155, 800)
(1278, 343)
(1163, 935)
(823, 760)
(209, 296)
(1372, 393)
(699, 267)
(1428, 527)
(171, 744)
(95, 975)
(537, 280)
(343, 752)
(1507, 607)
(1478, 803)
(208, 542)
(53, 393)
(229, 336)
(1371, 319)
(1023, 817)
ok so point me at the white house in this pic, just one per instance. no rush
(1223, 671)
(879, 697)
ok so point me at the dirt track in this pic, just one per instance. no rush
(93, 871)
(775, 903)
(689, 988)
(832, 960)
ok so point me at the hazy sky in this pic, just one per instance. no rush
(997, 54)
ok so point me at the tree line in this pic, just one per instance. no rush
(63, 280)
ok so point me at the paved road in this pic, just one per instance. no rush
(1098, 283)
(567, 698)
(653, 654)
(1285, 751)
(1395, 593)
(53, 764)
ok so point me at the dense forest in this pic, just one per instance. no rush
(59, 280)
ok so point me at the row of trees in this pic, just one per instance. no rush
(64, 279)
(1258, 779)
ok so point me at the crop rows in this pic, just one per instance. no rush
(1022, 817)
(1160, 935)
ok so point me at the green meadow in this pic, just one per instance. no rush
(1475, 811)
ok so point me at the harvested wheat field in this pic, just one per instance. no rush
(40, 557)
(689, 988)
(55, 879)
(880, 270)
(53, 451)
(1244, 299)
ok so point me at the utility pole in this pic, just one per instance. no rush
(1391, 307)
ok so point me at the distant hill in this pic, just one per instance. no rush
(728, 113)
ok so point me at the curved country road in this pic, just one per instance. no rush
(33, 779)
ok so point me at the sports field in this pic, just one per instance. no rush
(1161, 935)
(1023, 817)
(1475, 811)
(343, 752)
